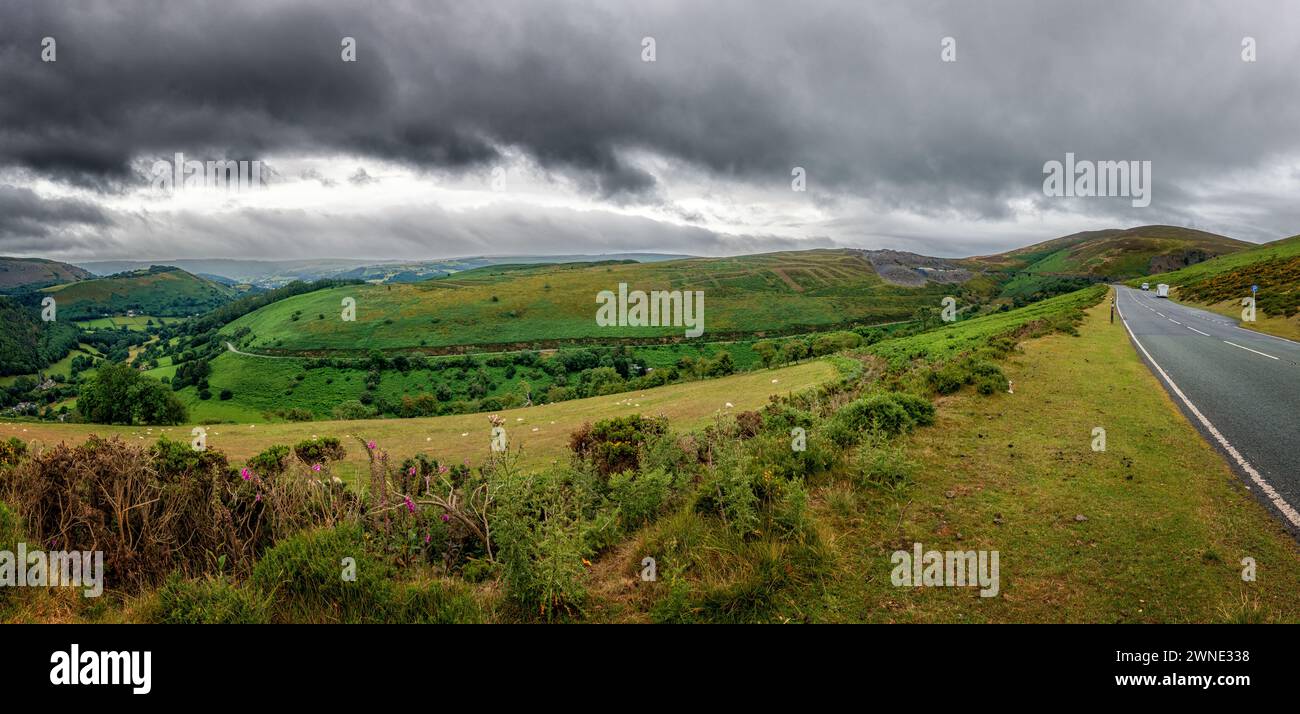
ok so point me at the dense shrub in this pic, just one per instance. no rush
(352, 409)
(12, 450)
(319, 451)
(947, 379)
(540, 544)
(271, 462)
(877, 413)
(921, 410)
(640, 496)
(155, 510)
(614, 445)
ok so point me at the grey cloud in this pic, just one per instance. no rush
(27, 219)
(743, 90)
(405, 233)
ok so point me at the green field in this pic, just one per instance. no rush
(136, 323)
(506, 307)
(261, 386)
(542, 431)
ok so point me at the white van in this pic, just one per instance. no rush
(1162, 290)
(1146, 286)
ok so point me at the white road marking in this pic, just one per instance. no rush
(1193, 329)
(1273, 496)
(1175, 321)
(1160, 314)
(1234, 344)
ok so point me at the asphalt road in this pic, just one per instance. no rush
(1239, 387)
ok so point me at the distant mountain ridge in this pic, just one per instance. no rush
(35, 273)
(274, 273)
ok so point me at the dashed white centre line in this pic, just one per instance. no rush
(1234, 344)
(1193, 329)
(1175, 321)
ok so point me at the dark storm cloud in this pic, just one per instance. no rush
(27, 220)
(854, 92)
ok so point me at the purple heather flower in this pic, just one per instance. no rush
(315, 467)
(411, 471)
(370, 445)
(445, 518)
(245, 473)
(259, 498)
(443, 469)
(410, 505)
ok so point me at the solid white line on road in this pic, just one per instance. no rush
(1193, 329)
(1234, 344)
(1273, 496)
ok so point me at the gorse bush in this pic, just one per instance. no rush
(12, 450)
(319, 450)
(640, 496)
(614, 445)
(164, 508)
(880, 413)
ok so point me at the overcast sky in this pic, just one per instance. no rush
(494, 127)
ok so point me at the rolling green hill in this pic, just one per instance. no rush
(34, 273)
(536, 306)
(162, 291)
(1114, 254)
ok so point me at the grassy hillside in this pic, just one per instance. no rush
(1221, 283)
(517, 306)
(1116, 254)
(161, 291)
(1165, 521)
(34, 273)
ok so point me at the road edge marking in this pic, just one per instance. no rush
(1273, 496)
(1234, 344)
